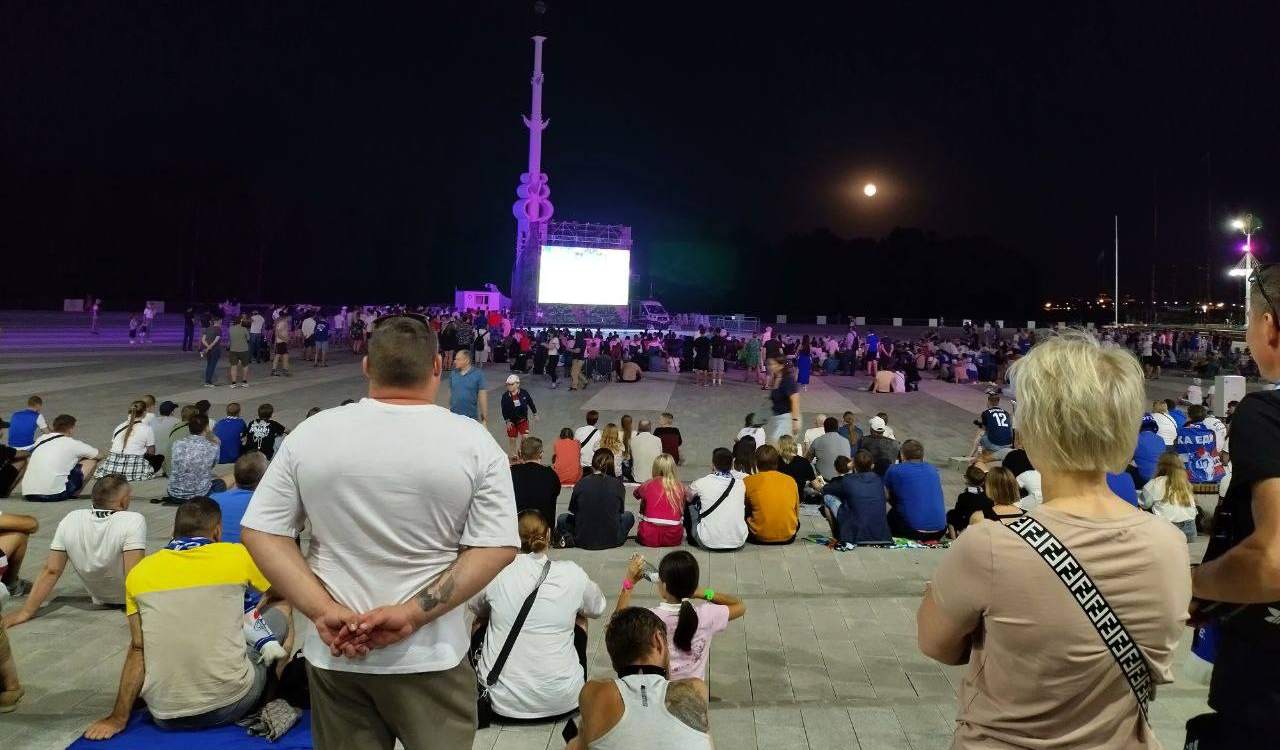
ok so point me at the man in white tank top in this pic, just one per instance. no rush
(641, 709)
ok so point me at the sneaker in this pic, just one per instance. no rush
(20, 587)
(210, 385)
(9, 700)
(244, 384)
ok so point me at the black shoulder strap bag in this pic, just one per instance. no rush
(587, 439)
(45, 442)
(703, 514)
(483, 704)
(1105, 621)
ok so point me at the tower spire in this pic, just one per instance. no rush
(532, 208)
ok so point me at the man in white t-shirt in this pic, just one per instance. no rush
(412, 512)
(813, 433)
(1166, 427)
(588, 437)
(58, 464)
(645, 447)
(713, 523)
(103, 544)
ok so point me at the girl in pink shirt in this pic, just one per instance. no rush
(661, 506)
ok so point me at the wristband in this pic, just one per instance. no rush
(708, 594)
(627, 584)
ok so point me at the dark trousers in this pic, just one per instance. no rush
(899, 528)
(211, 363)
(188, 338)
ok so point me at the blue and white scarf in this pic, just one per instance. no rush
(181, 543)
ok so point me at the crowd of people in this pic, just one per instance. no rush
(385, 586)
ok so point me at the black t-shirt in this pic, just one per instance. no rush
(701, 347)
(597, 504)
(968, 503)
(799, 469)
(263, 435)
(781, 396)
(772, 348)
(537, 488)
(1016, 461)
(1248, 659)
(718, 346)
(998, 426)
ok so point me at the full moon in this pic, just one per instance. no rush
(869, 189)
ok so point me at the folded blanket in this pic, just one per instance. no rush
(142, 734)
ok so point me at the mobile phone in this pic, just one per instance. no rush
(650, 572)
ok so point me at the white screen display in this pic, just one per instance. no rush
(583, 276)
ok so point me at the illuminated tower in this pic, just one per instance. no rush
(533, 208)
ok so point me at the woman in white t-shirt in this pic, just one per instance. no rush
(1169, 494)
(133, 448)
(546, 668)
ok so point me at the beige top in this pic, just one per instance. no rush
(1039, 675)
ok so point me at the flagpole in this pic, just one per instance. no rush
(1115, 301)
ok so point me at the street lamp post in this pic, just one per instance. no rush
(1248, 225)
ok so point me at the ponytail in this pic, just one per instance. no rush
(686, 626)
(136, 410)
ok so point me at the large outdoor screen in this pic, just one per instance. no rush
(583, 276)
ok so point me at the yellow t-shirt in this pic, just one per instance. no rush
(192, 607)
(773, 506)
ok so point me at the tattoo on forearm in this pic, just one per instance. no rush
(438, 591)
(686, 704)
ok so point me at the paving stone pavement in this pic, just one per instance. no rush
(825, 657)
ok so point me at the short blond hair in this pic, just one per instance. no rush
(1080, 402)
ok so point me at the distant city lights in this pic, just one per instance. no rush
(869, 189)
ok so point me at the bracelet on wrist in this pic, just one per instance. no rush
(627, 584)
(709, 594)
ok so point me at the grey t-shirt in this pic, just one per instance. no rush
(825, 451)
(239, 337)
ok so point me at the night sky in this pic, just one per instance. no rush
(304, 151)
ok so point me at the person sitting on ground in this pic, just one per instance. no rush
(1147, 453)
(58, 464)
(597, 517)
(1166, 426)
(883, 449)
(177, 432)
(10, 687)
(537, 487)
(715, 513)
(850, 431)
(917, 510)
(751, 428)
(163, 427)
(690, 627)
(645, 448)
(588, 437)
(547, 668)
(855, 502)
(744, 456)
(995, 433)
(1002, 489)
(824, 450)
(797, 467)
(884, 379)
(194, 457)
(517, 411)
(972, 499)
(997, 598)
(1177, 412)
(231, 431)
(669, 434)
(888, 429)
(264, 433)
(1169, 495)
(773, 504)
(248, 470)
(1197, 444)
(661, 506)
(628, 372)
(642, 708)
(815, 432)
(103, 543)
(566, 457)
(133, 448)
(185, 607)
(611, 440)
(13, 464)
(15, 534)
(25, 425)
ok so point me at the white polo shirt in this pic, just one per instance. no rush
(726, 528)
(390, 492)
(589, 447)
(95, 541)
(49, 465)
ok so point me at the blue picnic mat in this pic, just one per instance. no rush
(142, 734)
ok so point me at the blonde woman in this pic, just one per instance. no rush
(794, 465)
(1004, 598)
(611, 440)
(1002, 488)
(133, 448)
(1169, 494)
(661, 506)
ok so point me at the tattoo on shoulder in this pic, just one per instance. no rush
(437, 592)
(686, 703)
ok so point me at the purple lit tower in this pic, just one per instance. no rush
(533, 209)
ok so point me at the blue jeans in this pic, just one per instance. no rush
(1188, 528)
(779, 425)
(211, 363)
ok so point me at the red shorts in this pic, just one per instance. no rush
(515, 429)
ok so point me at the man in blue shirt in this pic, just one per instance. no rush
(917, 510)
(1147, 453)
(248, 472)
(997, 426)
(320, 338)
(466, 389)
(27, 424)
(1175, 411)
(230, 431)
(1121, 485)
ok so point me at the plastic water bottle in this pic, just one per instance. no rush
(258, 634)
(650, 572)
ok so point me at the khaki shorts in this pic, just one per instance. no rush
(238, 358)
(717, 364)
(425, 711)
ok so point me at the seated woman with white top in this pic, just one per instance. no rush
(546, 667)
(133, 448)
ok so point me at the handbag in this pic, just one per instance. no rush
(1080, 586)
(484, 705)
(702, 515)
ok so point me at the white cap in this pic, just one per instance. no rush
(513, 379)
(876, 424)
